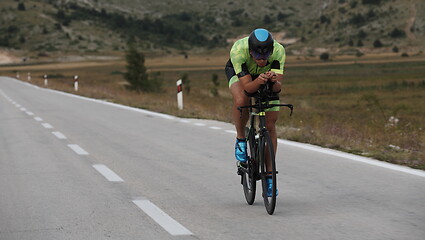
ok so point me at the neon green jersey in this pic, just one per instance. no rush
(239, 55)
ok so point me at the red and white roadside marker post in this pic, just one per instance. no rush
(17, 75)
(179, 94)
(45, 80)
(29, 77)
(76, 82)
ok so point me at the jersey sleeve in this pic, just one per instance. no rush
(238, 55)
(280, 56)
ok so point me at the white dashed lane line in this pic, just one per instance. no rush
(107, 173)
(59, 135)
(163, 219)
(47, 125)
(77, 149)
(38, 119)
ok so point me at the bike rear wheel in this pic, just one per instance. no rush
(248, 175)
(266, 149)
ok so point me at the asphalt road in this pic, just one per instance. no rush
(76, 168)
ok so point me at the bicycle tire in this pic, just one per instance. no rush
(266, 147)
(248, 178)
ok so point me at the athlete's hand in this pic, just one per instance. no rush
(262, 78)
(272, 76)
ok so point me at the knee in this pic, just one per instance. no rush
(240, 100)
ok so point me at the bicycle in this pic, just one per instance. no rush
(259, 147)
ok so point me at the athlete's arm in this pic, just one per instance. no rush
(277, 79)
(251, 86)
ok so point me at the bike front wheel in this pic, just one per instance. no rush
(248, 176)
(266, 151)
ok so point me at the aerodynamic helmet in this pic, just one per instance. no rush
(260, 42)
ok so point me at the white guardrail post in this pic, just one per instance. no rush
(45, 80)
(179, 94)
(76, 82)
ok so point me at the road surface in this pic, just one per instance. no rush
(77, 168)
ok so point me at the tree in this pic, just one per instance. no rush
(324, 56)
(60, 14)
(21, 7)
(22, 39)
(357, 20)
(362, 34)
(324, 19)
(395, 49)
(267, 20)
(375, 2)
(136, 71)
(396, 33)
(377, 43)
(281, 16)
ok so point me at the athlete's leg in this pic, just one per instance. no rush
(239, 99)
(271, 118)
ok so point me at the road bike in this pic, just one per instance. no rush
(260, 148)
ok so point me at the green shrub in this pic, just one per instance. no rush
(21, 6)
(377, 43)
(396, 33)
(324, 56)
(395, 49)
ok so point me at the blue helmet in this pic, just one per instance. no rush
(260, 43)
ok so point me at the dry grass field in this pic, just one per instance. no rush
(371, 106)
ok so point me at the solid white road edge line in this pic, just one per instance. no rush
(107, 173)
(77, 149)
(160, 217)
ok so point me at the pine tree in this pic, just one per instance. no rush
(136, 71)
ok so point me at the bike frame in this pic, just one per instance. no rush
(255, 168)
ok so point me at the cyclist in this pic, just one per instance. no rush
(254, 61)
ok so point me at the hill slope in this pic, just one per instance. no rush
(305, 27)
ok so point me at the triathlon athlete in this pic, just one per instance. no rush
(254, 61)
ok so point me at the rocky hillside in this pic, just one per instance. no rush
(307, 27)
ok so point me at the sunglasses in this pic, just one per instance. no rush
(260, 56)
